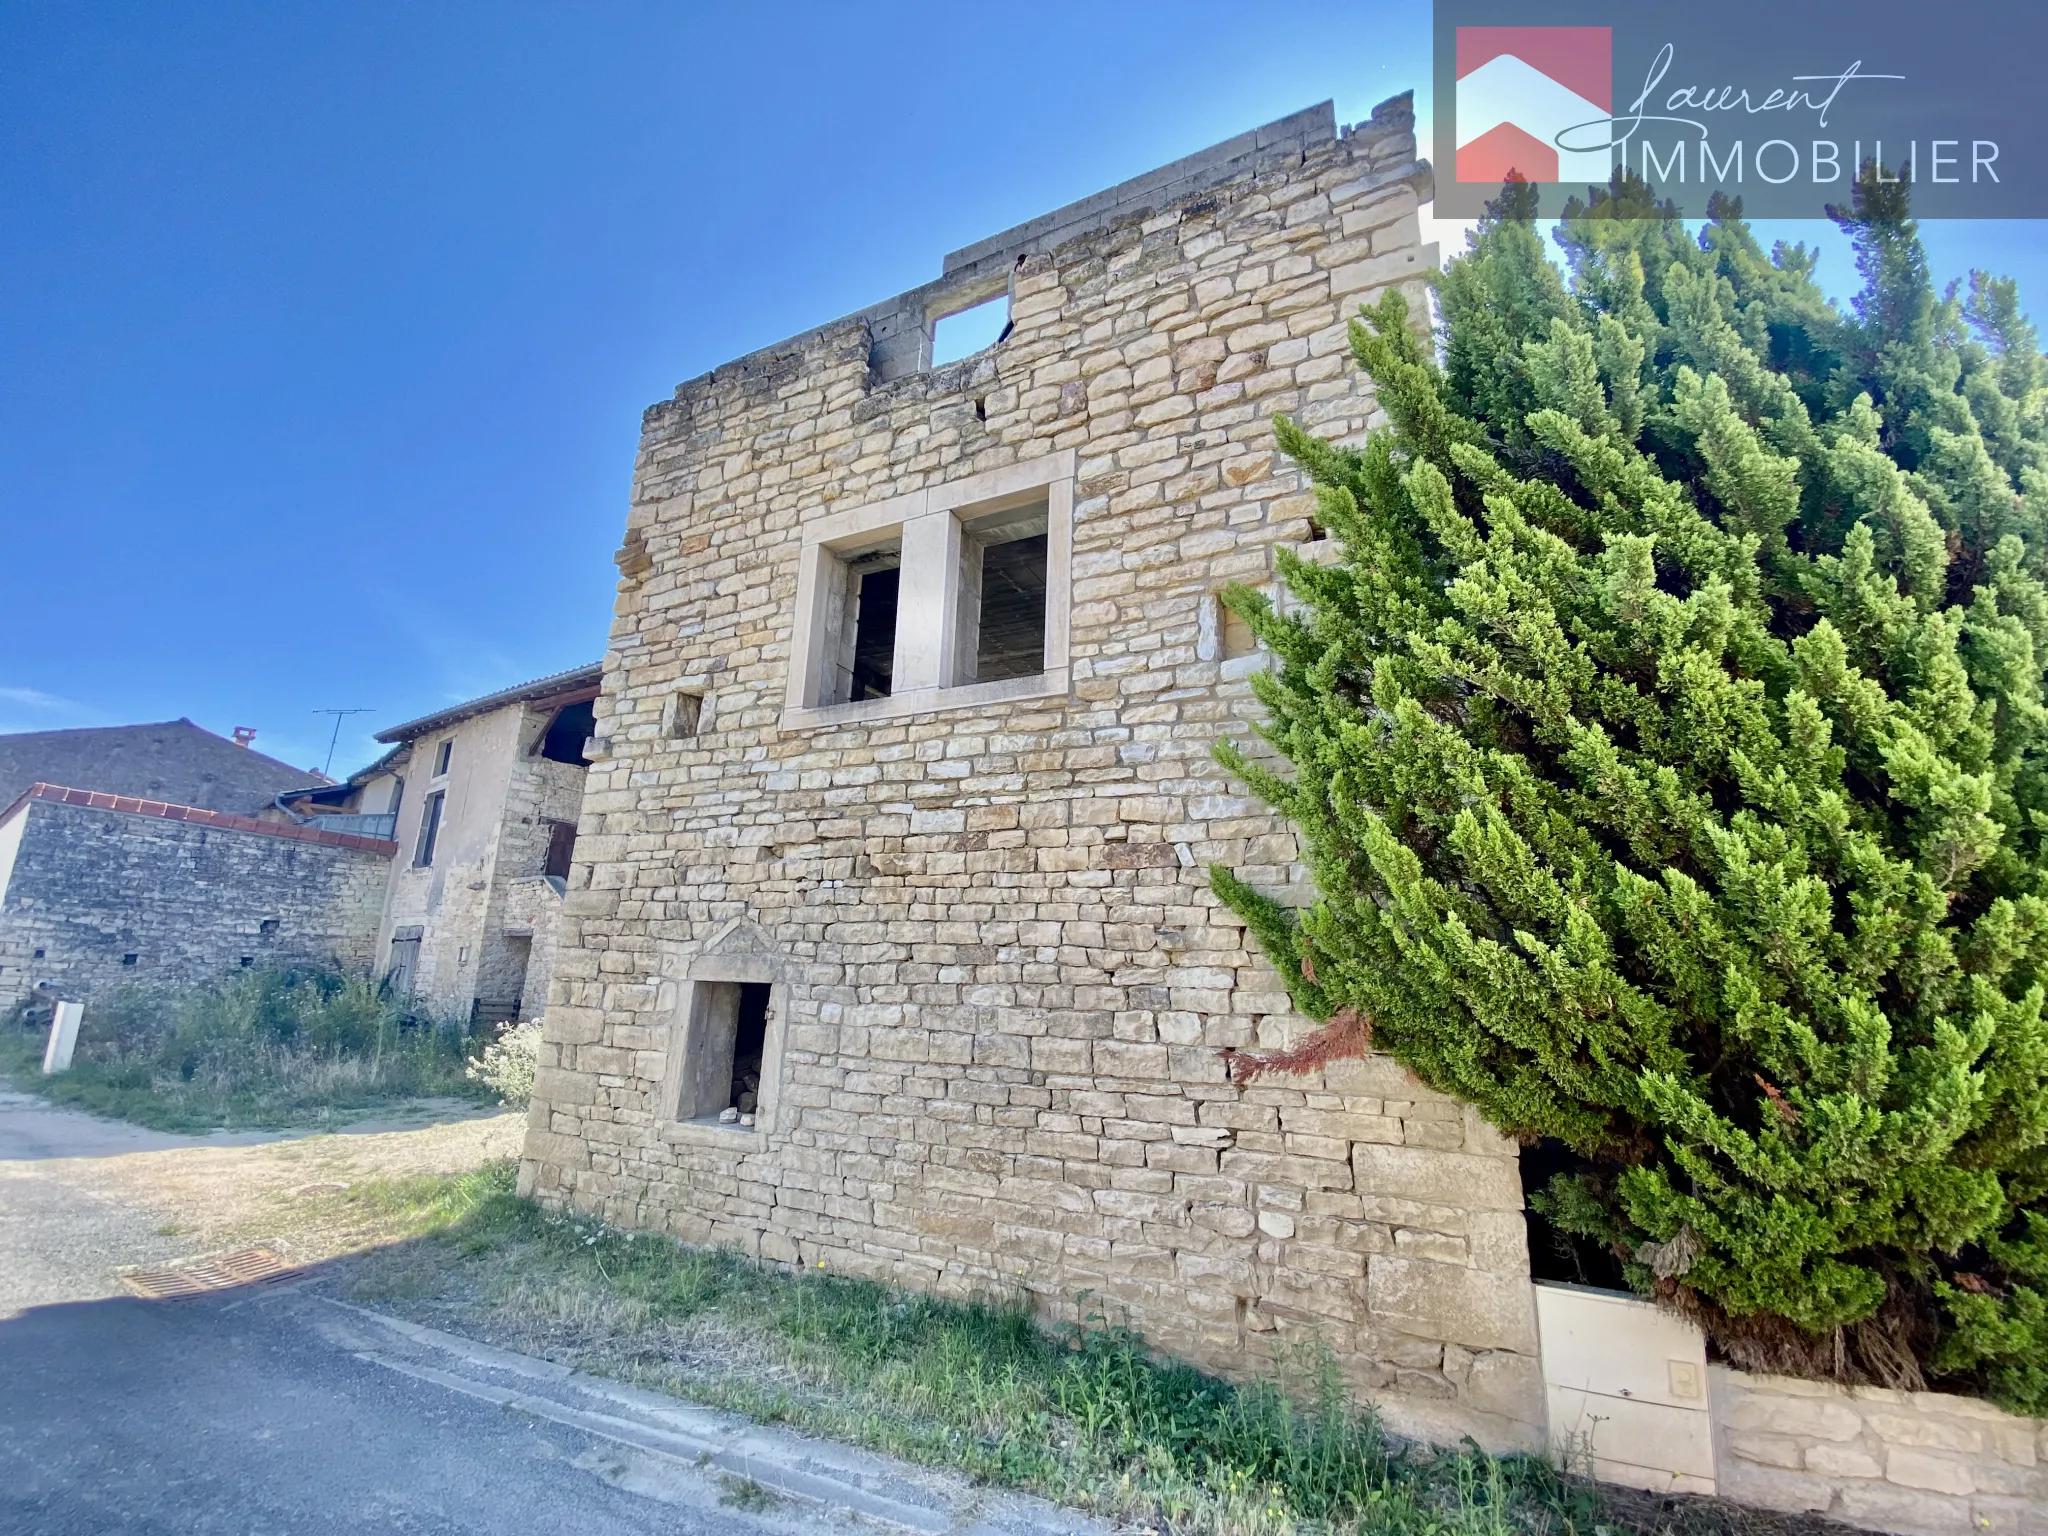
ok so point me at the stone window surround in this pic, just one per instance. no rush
(678, 1003)
(928, 523)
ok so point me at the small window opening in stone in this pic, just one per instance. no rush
(1316, 531)
(968, 331)
(41, 953)
(130, 959)
(268, 927)
(1237, 638)
(728, 1039)
(441, 756)
(1002, 594)
(686, 711)
(430, 829)
(981, 409)
(873, 584)
(248, 961)
(573, 725)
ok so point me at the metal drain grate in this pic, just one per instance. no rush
(195, 1277)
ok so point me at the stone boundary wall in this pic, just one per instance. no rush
(129, 805)
(88, 880)
(1914, 1463)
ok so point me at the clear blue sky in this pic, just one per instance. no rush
(325, 329)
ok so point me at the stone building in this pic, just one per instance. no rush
(151, 853)
(482, 799)
(904, 803)
(99, 889)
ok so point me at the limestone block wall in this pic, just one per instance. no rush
(1003, 985)
(519, 933)
(532, 906)
(88, 880)
(1917, 1463)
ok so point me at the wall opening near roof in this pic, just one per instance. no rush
(573, 725)
(970, 330)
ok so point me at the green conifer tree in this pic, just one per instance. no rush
(1670, 754)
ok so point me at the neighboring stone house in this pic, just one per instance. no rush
(483, 799)
(903, 809)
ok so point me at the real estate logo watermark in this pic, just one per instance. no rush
(1784, 105)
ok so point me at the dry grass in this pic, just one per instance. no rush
(294, 1194)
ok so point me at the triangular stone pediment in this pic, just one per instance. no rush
(741, 936)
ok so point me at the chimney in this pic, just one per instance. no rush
(244, 734)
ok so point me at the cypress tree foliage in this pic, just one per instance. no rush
(1670, 754)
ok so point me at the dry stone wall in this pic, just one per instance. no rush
(1004, 984)
(84, 887)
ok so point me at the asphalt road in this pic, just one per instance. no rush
(258, 1412)
(233, 1415)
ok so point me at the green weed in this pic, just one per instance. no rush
(256, 1048)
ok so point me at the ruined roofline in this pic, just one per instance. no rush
(130, 805)
(575, 680)
(900, 328)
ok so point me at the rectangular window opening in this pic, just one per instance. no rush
(861, 628)
(1002, 595)
(441, 756)
(686, 712)
(430, 829)
(1237, 637)
(970, 330)
(727, 1041)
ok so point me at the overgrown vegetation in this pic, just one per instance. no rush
(255, 1048)
(1670, 751)
(1085, 1416)
(506, 1066)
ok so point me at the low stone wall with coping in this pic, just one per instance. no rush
(1917, 1463)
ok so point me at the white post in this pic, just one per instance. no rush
(63, 1038)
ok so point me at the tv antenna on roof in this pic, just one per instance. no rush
(338, 716)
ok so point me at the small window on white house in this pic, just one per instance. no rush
(441, 756)
(430, 830)
(970, 330)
